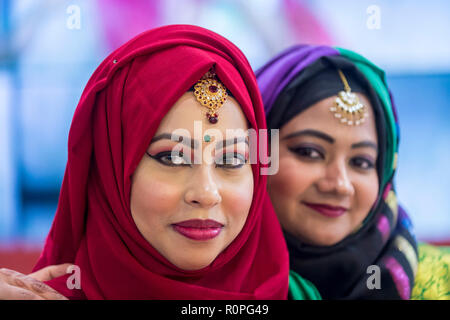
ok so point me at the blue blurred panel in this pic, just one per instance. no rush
(54, 63)
(45, 119)
(423, 180)
(413, 35)
(37, 222)
(9, 199)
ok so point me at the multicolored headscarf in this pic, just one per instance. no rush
(385, 239)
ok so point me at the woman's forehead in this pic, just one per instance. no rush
(188, 114)
(319, 117)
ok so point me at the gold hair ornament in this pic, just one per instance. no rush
(348, 109)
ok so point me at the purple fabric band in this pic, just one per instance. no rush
(279, 71)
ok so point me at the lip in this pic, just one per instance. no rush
(326, 210)
(198, 229)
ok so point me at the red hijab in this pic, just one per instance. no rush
(114, 122)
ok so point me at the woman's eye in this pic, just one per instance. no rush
(170, 158)
(231, 161)
(308, 152)
(362, 163)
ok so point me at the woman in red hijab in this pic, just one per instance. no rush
(142, 222)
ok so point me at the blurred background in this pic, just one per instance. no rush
(49, 49)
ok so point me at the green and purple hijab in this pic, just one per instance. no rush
(288, 85)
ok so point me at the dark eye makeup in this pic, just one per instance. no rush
(232, 160)
(308, 151)
(312, 153)
(362, 163)
(170, 158)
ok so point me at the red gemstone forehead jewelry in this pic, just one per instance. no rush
(210, 93)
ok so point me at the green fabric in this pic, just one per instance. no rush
(377, 79)
(302, 289)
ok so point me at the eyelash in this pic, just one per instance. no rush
(305, 152)
(235, 155)
(222, 163)
(369, 163)
(160, 158)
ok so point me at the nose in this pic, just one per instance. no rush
(336, 180)
(203, 189)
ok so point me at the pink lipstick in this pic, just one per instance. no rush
(198, 229)
(326, 210)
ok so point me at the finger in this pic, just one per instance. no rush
(51, 272)
(20, 280)
(8, 292)
(17, 279)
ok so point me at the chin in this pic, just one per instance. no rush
(328, 240)
(190, 263)
(322, 239)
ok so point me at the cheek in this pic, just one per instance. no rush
(367, 192)
(152, 195)
(291, 181)
(237, 198)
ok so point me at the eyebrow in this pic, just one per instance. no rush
(329, 139)
(193, 144)
(365, 144)
(312, 133)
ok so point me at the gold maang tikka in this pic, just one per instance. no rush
(348, 109)
(211, 93)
